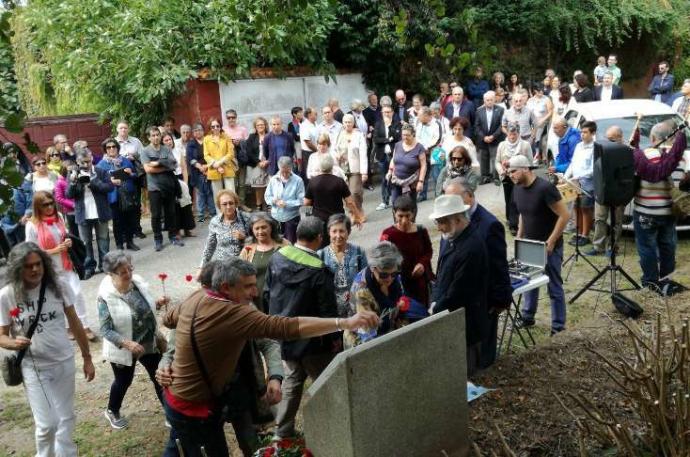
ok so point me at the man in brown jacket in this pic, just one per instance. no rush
(212, 327)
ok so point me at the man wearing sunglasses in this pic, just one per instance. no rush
(237, 133)
(462, 273)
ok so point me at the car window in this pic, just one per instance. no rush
(646, 124)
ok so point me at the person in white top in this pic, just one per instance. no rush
(47, 366)
(41, 178)
(581, 170)
(323, 146)
(350, 154)
(681, 105)
(360, 123)
(180, 151)
(329, 125)
(456, 137)
(308, 133)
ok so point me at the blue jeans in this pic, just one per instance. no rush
(385, 184)
(102, 241)
(194, 433)
(555, 288)
(435, 172)
(425, 186)
(656, 240)
(204, 198)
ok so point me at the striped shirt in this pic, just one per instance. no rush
(654, 198)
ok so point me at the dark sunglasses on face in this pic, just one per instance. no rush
(457, 159)
(47, 204)
(215, 126)
(56, 154)
(231, 117)
(111, 146)
(39, 164)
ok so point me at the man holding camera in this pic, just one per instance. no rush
(89, 187)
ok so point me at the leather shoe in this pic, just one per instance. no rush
(88, 274)
(133, 247)
(158, 246)
(141, 235)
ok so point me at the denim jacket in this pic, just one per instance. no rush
(291, 192)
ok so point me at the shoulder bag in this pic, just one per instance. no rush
(11, 366)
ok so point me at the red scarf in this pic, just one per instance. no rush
(46, 240)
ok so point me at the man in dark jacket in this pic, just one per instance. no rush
(89, 188)
(487, 127)
(277, 144)
(500, 291)
(462, 273)
(298, 284)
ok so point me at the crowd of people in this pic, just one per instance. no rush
(282, 204)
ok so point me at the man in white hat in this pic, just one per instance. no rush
(543, 216)
(462, 273)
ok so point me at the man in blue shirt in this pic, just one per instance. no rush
(661, 87)
(477, 87)
(569, 137)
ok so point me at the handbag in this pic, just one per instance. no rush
(77, 255)
(126, 201)
(11, 366)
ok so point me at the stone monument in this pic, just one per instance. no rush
(400, 395)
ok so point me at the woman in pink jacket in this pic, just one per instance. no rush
(66, 205)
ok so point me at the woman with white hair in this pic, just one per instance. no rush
(285, 196)
(351, 156)
(357, 107)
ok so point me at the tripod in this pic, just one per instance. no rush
(575, 256)
(612, 268)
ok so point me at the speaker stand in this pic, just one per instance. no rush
(611, 268)
(575, 256)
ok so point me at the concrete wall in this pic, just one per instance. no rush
(266, 97)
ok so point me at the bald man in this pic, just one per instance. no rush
(400, 110)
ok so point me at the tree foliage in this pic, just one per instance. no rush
(129, 58)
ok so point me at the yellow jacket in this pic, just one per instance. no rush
(216, 150)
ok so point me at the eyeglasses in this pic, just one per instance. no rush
(387, 275)
(215, 126)
(47, 204)
(56, 154)
(457, 159)
(39, 164)
(231, 117)
(111, 146)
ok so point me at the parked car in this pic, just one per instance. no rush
(623, 114)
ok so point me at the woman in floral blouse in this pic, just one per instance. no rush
(343, 259)
(227, 230)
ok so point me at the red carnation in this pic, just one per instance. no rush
(268, 452)
(162, 276)
(247, 248)
(285, 443)
(404, 304)
(307, 453)
(188, 278)
(384, 237)
(14, 312)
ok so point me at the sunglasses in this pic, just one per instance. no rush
(111, 146)
(384, 275)
(457, 159)
(47, 204)
(57, 154)
(215, 126)
(39, 164)
(231, 117)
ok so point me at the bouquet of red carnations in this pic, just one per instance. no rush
(285, 448)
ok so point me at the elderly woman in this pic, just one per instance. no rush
(219, 154)
(285, 195)
(323, 147)
(47, 229)
(227, 230)
(122, 198)
(48, 369)
(459, 164)
(350, 154)
(513, 145)
(414, 244)
(386, 134)
(257, 162)
(377, 288)
(264, 242)
(127, 314)
(456, 137)
(408, 166)
(344, 259)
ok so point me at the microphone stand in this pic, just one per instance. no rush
(575, 256)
